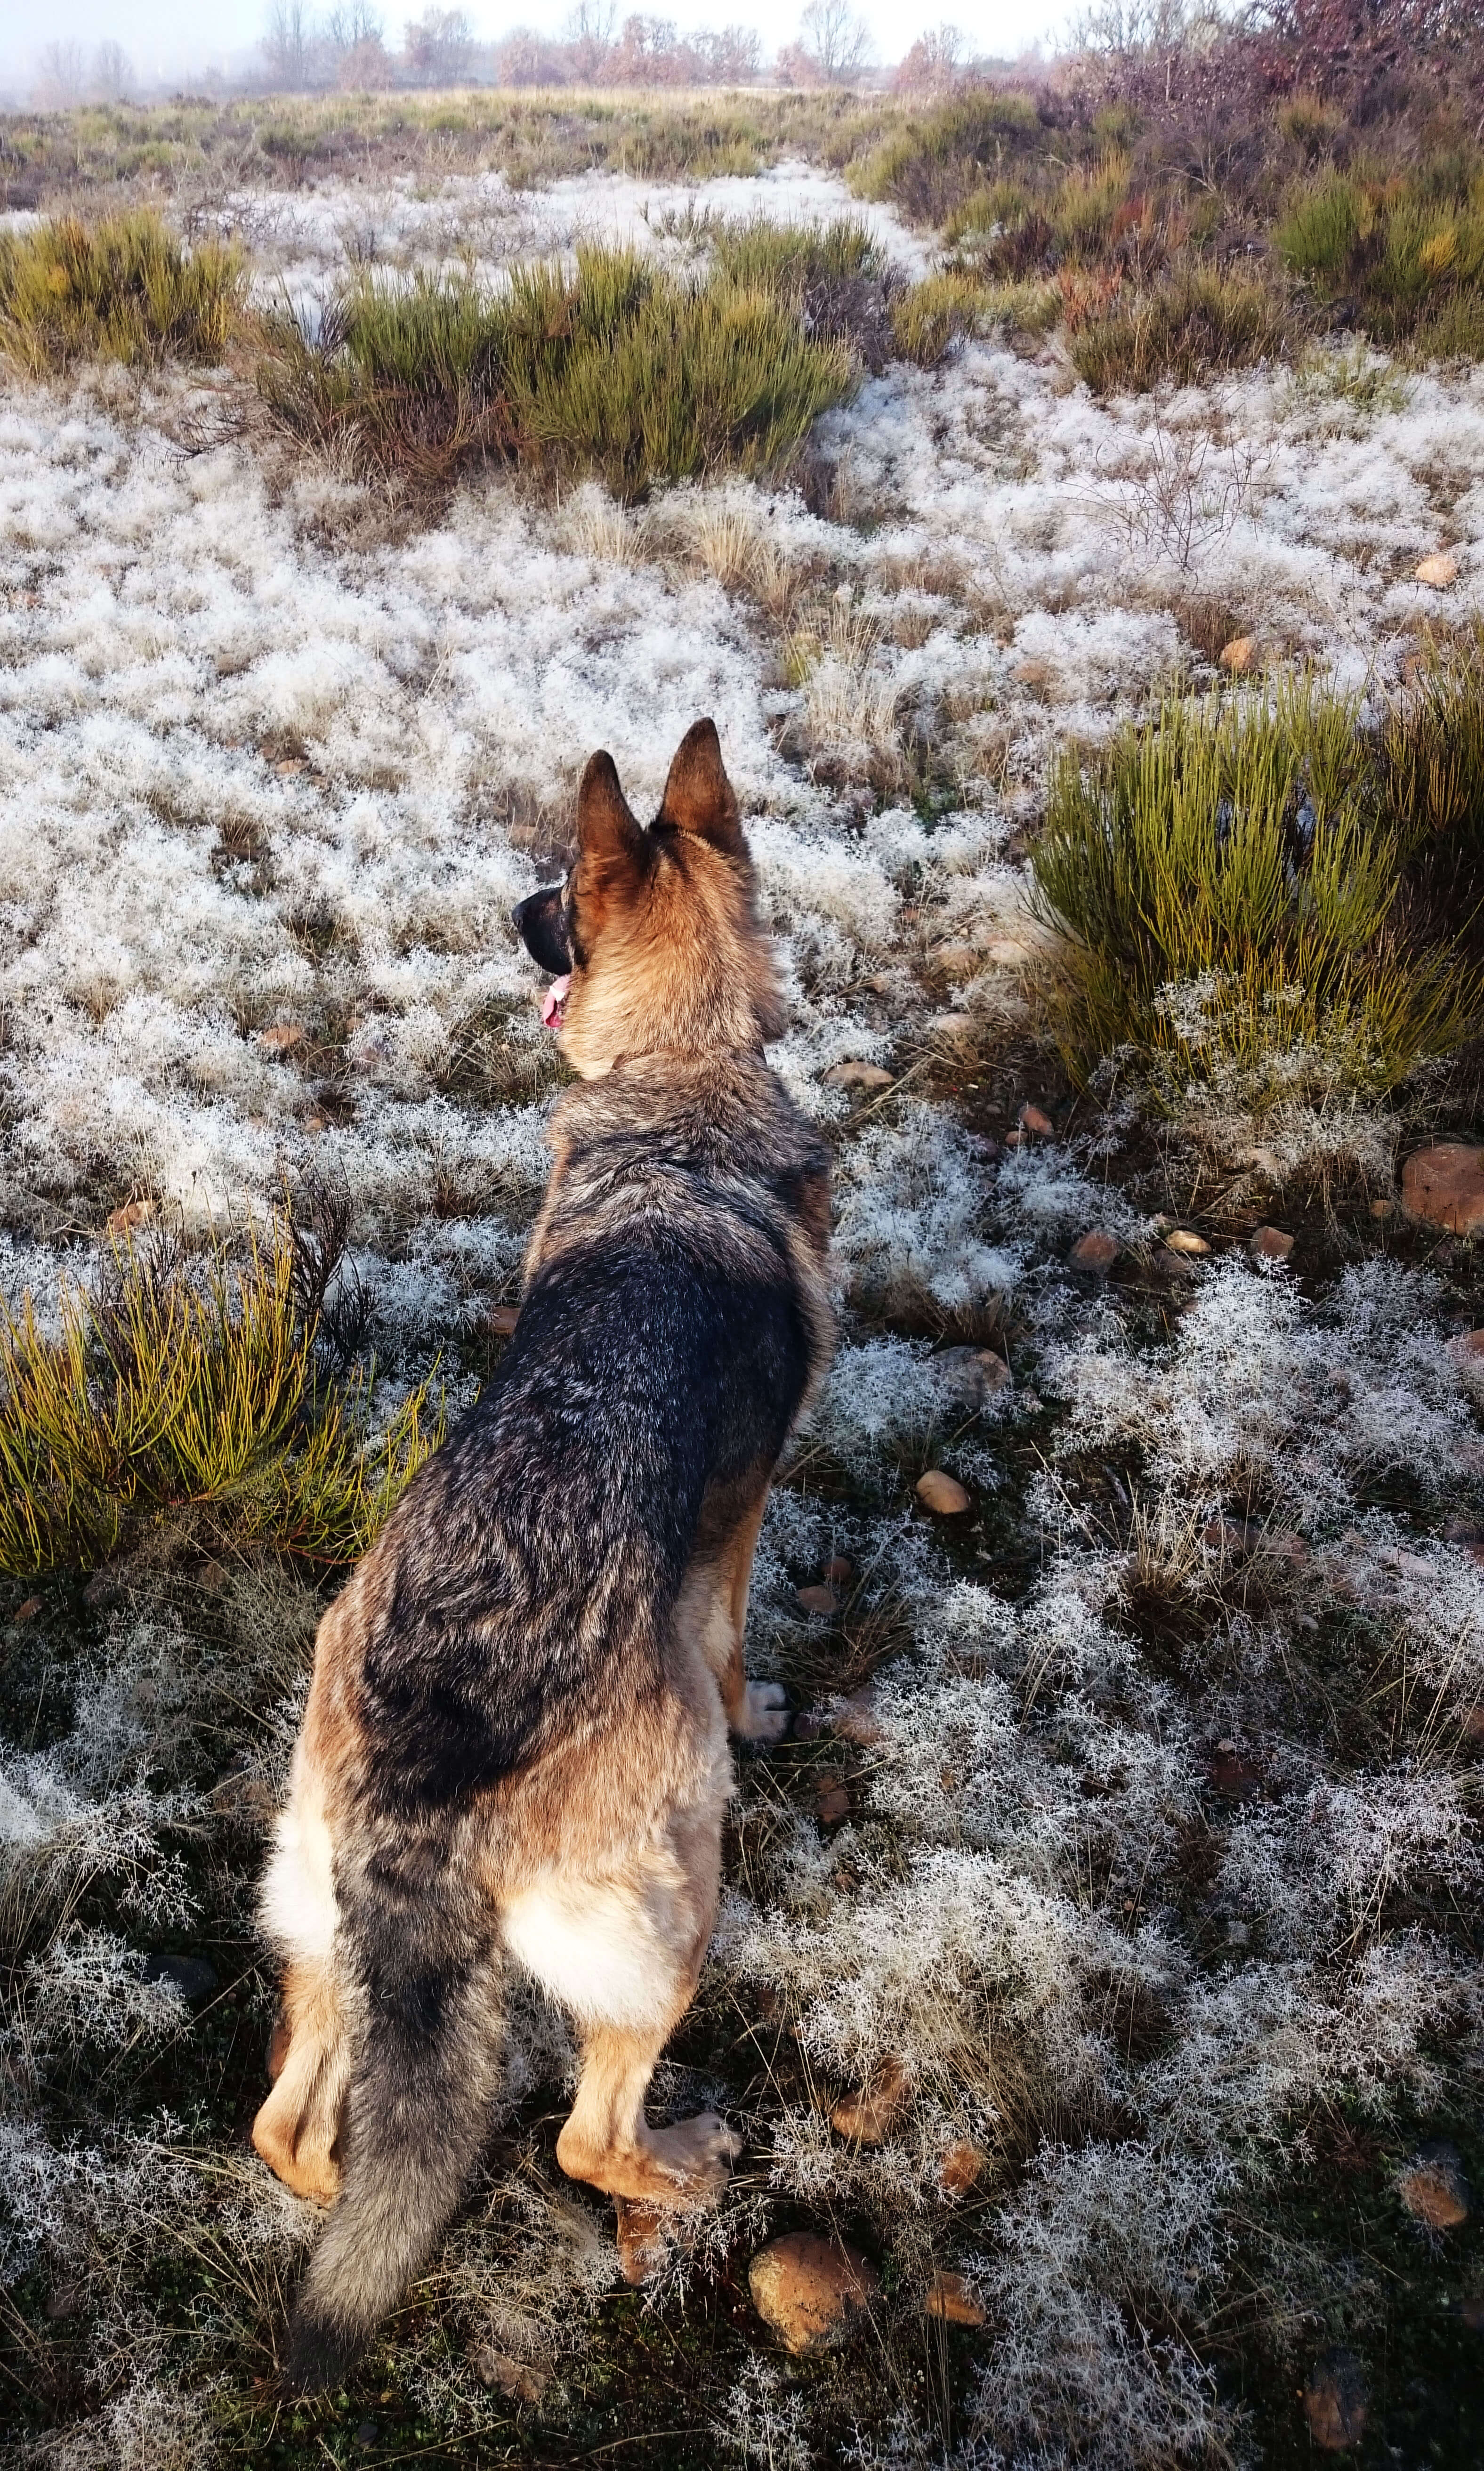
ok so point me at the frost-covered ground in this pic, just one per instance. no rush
(1159, 1875)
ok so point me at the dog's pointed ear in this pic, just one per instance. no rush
(607, 830)
(698, 796)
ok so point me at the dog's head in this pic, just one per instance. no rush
(654, 941)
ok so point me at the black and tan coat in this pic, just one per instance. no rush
(515, 1744)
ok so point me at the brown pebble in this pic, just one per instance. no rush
(868, 2116)
(942, 1493)
(962, 2169)
(810, 2290)
(1383, 1208)
(838, 1572)
(1184, 1239)
(832, 1801)
(283, 1038)
(1269, 1244)
(950, 2297)
(1035, 1119)
(29, 1610)
(128, 1216)
(1097, 1250)
(1444, 1187)
(857, 1721)
(856, 1076)
(523, 2380)
(1238, 655)
(1334, 2402)
(1439, 571)
(500, 1319)
(816, 1600)
(1433, 2188)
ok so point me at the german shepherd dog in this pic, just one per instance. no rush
(515, 1743)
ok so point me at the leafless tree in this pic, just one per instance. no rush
(835, 40)
(351, 23)
(933, 64)
(113, 72)
(439, 46)
(589, 37)
(285, 44)
(63, 73)
(733, 57)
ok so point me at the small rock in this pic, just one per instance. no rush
(950, 2297)
(1174, 1265)
(1444, 1186)
(213, 1578)
(832, 1801)
(817, 1600)
(975, 1374)
(1269, 1244)
(809, 2291)
(1097, 1250)
(1334, 2402)
(367, 2435)
(1238, 655)
(1383, 1207)
(29, 1610)
(291, 765)
(1434, 2189)
(1440, 569)
(520, 2379)
(942, 1495)
(1469, 1347)
(857, 1721)
(500, 1320)
(1184, 1239)
(1035, 1119)
(316, 1123)
(282, 1039)
(128, 1216)
(856, 1076)
(838, 1572)
(644, 2239)
(193, 1977)
(867, 2117)
(962, 2169)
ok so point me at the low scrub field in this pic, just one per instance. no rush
(1090, 605)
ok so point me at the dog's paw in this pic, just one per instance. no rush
(765, 1716)
(696, 2155)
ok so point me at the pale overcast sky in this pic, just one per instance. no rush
(168, 37)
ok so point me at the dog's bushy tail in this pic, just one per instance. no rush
(426, 1978)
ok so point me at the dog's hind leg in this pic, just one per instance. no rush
(756, 1712)
(625, 1956)
(296, 2128)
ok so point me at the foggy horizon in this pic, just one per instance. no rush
(163, 47)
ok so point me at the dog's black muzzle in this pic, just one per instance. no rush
(541, 924)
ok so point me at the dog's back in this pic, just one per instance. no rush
(516, 1735)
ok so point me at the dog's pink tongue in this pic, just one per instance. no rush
(555, 997)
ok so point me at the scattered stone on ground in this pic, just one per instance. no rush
(809, 2291)
(193, 1976)
(129, 1215)
(816, 1600)
(1238, 655)
(868, 2116)
(1269, 1244)
(950, 2297)
(1334, 2402)
(29, 1610)
(838, 1572)
(1184, 1239)
(962, 2169)
(1434, 2189)
(500, 1320)
(831, 1799)
(521, 2379)
(943, 1494)
(855, 1719)
(1440, 569)
(283, 1038)
(1035, 1119)
(1444, 1186)
(1174, 1265)
(1383, 1207)
(975, 1374)
(1097, 1250)
(213, 1577)
(106, 1587)
(854, 1074)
